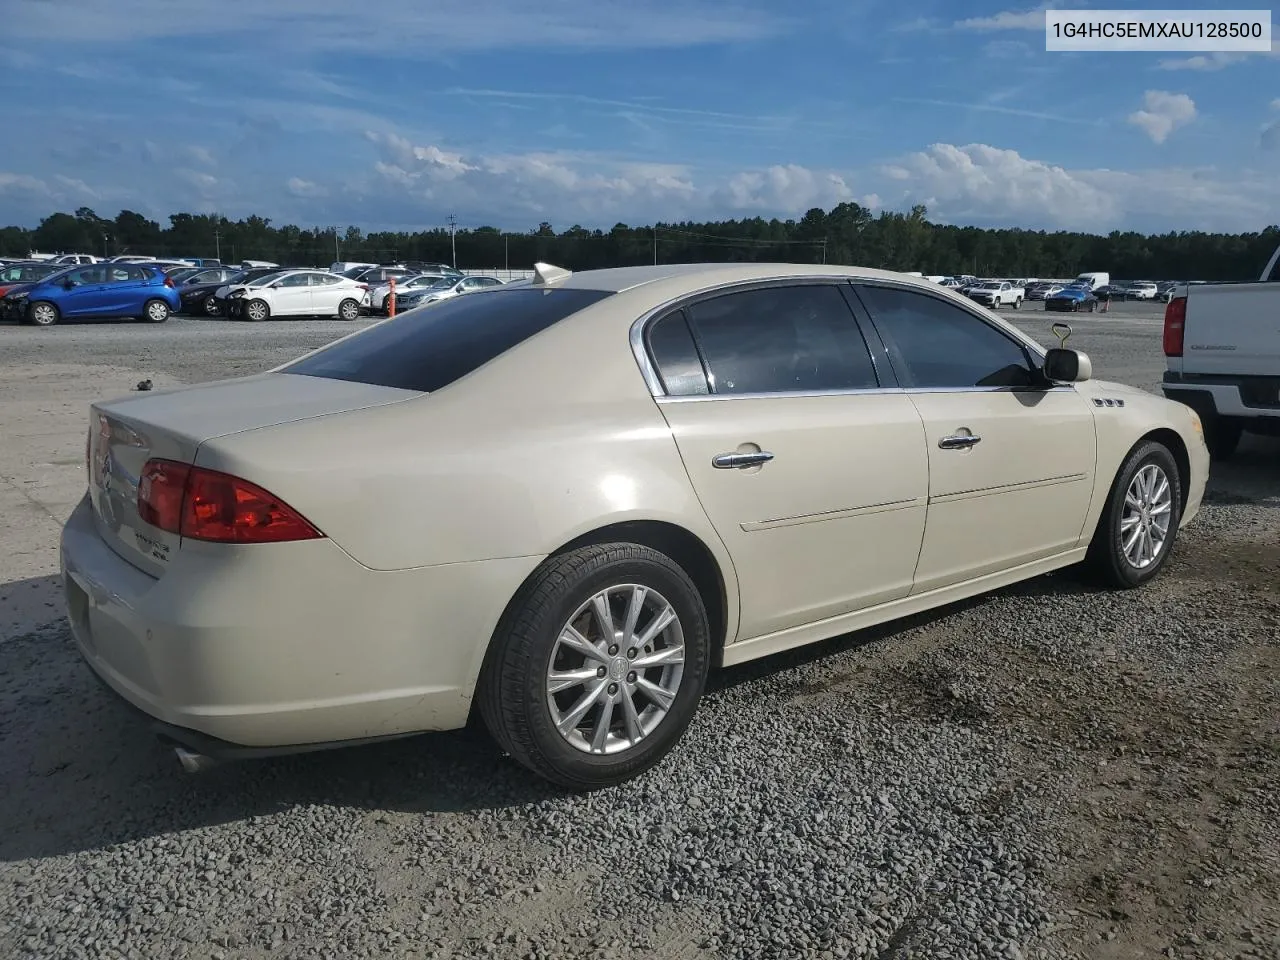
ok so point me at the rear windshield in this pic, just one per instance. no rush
(430, 347)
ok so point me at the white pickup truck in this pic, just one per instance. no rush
(1222, 349)
(996, 294)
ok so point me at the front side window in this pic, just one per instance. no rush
(782, 339)
(935, 344)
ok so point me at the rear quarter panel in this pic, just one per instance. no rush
(550, 441)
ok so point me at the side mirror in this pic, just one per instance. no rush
(1064, 365)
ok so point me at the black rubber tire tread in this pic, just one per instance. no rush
(519, 721)
(1222, 436)
(1106, 558)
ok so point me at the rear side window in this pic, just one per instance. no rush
(676, 356)
(430, 347)
(782, 340)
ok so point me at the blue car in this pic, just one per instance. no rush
(138, 291)
(1074, 298)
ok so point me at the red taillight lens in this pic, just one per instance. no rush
(1175, 320)
(168, 282)
(160, 492)
(209, 505)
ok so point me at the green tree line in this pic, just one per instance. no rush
(846, 234)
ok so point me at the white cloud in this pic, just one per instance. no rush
(201, 155)
(399, 27)
(304, 188)
(21, 183)
(1007, 20)
(983, 184)
(511, 188)
(1164, 112)
(1220, 60)
(1269, 139)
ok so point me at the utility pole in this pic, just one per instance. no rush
(506, 254)
(655, 244)
(217, 240)
(453, 223)
(824, 249)
(337, 257)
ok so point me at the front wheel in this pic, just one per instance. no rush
(1139, 523)
(349, 309)
(156, 311)
(43, 314)
(597, 667)
(211, 308)
(257, 310)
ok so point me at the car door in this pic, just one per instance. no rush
(814, 477)
(1011, 463)
(88, 294)
(124, 291)
(327, 292)
(291, 296)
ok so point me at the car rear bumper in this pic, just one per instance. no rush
(282, 646)
(1255, 398)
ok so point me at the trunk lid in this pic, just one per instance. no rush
(1232, 328)
(125, 433)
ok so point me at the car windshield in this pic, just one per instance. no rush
(428, 348)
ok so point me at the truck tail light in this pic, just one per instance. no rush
(1175, 321)
(218, 507)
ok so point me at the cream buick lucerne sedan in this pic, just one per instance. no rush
(562, 502)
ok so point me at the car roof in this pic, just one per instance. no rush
(680, 278)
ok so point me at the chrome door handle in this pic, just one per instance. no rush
(732, 461)
(958, 442)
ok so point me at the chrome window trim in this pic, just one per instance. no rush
(866, 391)
(650, 374)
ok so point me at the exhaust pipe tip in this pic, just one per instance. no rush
(193, 762)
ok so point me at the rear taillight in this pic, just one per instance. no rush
(1175, 321)
(210, 505)
(168, 282)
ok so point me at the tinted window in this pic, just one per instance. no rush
(676, 357)
(800, 338)
(134, 273)
(937, 344)
(429, 348)
(90, 275)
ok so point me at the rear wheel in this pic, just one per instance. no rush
(598, 665)
(1017, 303)
(211, 308)
(257, 310)
(1139, 524)
(43, 314)
(1222, 436)
(155, 311)
(349, 309)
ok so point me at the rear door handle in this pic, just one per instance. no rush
(736, 461)
(959, 441)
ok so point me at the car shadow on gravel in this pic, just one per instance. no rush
(82, 771)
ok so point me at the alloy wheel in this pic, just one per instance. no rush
(1147, 516)
(615, 669)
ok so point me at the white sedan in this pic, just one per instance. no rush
(1142, 290)
(563, 503)
(465, 285)
(294, 293)
(378, 297)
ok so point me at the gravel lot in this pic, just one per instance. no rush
(1049, 771)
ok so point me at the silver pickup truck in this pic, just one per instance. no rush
(1222, 350)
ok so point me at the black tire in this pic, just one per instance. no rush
(1222, 436)
(43, 314)
(211, 308)
(1017, 304)
(155, 311)
(1106, 554)
(1093, 305)
(386, 304)
(349, 309)
(512, 694)
(261, 307)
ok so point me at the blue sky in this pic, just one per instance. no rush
(321, 112)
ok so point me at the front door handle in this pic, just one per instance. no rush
(736, 461)
(960, 441)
